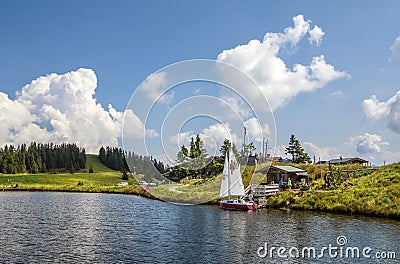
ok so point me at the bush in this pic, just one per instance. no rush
(125, 176)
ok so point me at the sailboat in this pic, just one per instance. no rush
(232, 186)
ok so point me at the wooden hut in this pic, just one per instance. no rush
(347, 161)
(299, 177)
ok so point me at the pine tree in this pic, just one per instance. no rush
(291, 148)
(21, 162)
(102, 155)
(225, 146)
(296, 150)
(125, 176)
(192, 153)
(183, 155)
(1, 160)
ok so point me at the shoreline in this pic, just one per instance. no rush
(141, 192)
(325, 202)
(138, 191)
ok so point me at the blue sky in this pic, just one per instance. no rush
(124, 42)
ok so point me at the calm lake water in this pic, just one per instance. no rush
(104, 228)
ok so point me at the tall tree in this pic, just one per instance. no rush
(183, 155)
(296, 151)
(194, 159)
(102, 155)
(225, 146)
(200, 154)
(248, 149)
(291, 148)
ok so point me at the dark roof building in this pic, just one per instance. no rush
(346, 161)
(275, 173)
(252, 160)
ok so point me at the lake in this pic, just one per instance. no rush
(39, 227)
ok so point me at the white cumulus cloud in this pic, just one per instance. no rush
(374, 109)
(395, 48)
(325, 153)
(316, 35)
(256, 130)
(369, 143)
(279, 82)
(155, 85)
(61, 108)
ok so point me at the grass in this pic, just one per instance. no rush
(102, 179)
(192, 192)
(93, 161)
(374, 193)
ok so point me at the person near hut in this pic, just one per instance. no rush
(289, 184)
(282, 184)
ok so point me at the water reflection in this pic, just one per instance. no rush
(98, 228)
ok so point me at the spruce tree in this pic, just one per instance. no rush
(125, 176)
(183, 155)
(296, 150)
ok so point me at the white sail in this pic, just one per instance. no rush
(236, 187)
(232, 183)
(225, 174)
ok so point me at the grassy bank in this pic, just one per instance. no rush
(102, 179)
(374, 193)
(195, 191)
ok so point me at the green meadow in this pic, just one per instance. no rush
(102, 179)
(374, 193)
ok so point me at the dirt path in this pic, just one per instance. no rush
(173, 188)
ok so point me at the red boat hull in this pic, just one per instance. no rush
(226, 205)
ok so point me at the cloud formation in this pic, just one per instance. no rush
(212, 136)
(374, 109)
(260, 59)
(154, 85)
(369, 143)
(325, 153)
(61, 108)
(395, 48)
(256, 130)
(374, 148)
(316, 35)
(337, 93)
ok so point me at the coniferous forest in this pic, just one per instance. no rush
(41, 158)
(116, 159)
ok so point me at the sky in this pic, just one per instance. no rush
(81, 71)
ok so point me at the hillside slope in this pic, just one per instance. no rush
(93, 161)
(102, 179)
(376, 194)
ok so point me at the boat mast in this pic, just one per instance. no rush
(229, 171)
